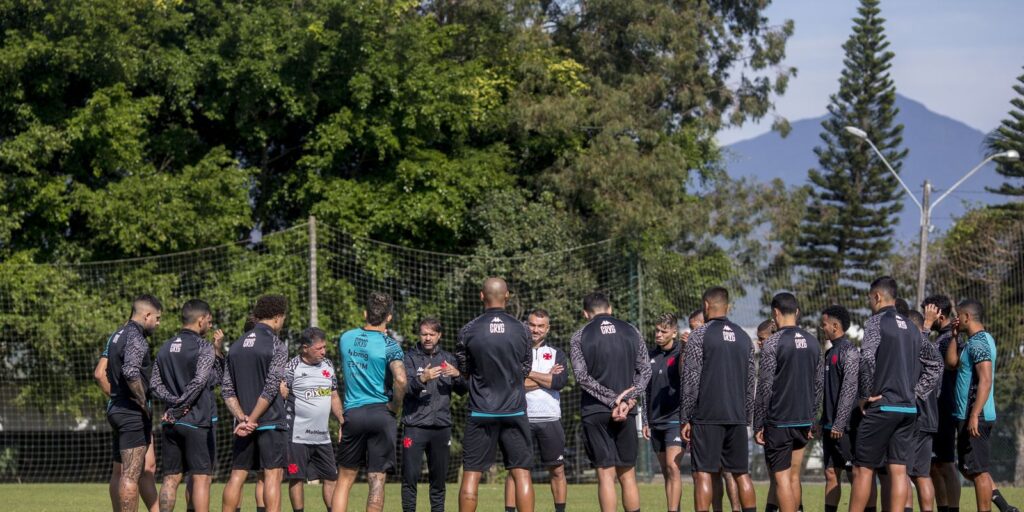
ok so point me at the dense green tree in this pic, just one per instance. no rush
(846, 234)
(1010, 135)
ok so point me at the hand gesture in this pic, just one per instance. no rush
(430, 373)
(972, 426)
(865, 403)
(836, 434)
(647, 432)
(218, 340)
(759, 437)
(684, 432)
(684, 337)
(449, 370)
(556, 369)
(931, 314)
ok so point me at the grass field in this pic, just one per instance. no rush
(582, 498)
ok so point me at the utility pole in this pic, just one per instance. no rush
(313, 313)
(922, 259)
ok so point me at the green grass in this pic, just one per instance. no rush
(582, 498)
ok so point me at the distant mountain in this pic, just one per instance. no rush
(942, 150)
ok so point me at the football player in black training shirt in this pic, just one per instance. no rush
(788, 396)
(493, 352)
(893, 372)
(840, 397)
(661, 420)
(251, 390)
(129, 366)
(147, 482)
(184, 372)
(717, 401)
(938, 317)
(601, 352)
(927, 424)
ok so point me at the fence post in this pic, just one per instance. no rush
(313, 313)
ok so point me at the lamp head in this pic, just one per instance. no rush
(856, 132)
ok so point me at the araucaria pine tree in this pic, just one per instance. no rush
(846, 235)
(1010, 135)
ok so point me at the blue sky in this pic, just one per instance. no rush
(960, 58)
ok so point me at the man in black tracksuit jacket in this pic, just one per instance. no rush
(493, 354)
(426, 414)
(920, 465)
(894, 371)
(840, 397)
(601, 353)
(717, 400)
(184, 373)
(788, 396)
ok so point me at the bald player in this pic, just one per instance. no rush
(493, 352)
(129, 366)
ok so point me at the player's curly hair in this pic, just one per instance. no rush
(269, 306)
(378, 306)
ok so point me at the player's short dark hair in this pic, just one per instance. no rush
(378, 306)
(972, 306)
(902, 307)
(767, 326)
(886, 285)
(594, 301)
(839, 313)
(695, 313)
(716, 294)
(431, 323)
(916, 318)
(269, 306)
(540, 313)
(193, 310)
(311, 335)
(668, 319)
(786, 303)
(147, 299)
(940, 301)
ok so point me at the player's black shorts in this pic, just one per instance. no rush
(663, 436)
(187, 449)
(838, 452)
(310, 462)
(921, 459)
(483, 435)
(368, 439)
(132, 429)
(719, 447)
(262, 449)
(610, 443)
(972, 453)
(944, 444)
(780, 443)
(549, 439)
(884, 438)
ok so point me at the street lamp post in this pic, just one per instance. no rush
(927, 207)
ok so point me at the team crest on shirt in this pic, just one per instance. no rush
(547, 356)
(607, 327)
(727, 334)
(497, 326)
(326, 374)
